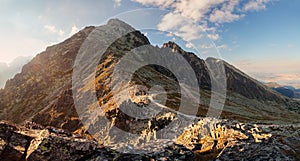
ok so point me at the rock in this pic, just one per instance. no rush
(18, 143)
(227, 140)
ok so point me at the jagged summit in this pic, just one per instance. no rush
(117, 22)
(172, 45)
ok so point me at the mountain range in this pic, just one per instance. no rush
(43, 93)
(288, 91)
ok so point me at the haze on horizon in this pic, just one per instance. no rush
(261, 37)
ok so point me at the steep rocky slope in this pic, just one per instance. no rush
(43, 93)
(42, 82)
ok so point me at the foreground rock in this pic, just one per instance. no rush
(208, 139)
(32, 143)
(212, 139)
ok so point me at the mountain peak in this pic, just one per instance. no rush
(117, 23)
(175, 47)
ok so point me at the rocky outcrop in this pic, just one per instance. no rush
(207, 139)
(21, 143)
(34, 142)
(231, 140)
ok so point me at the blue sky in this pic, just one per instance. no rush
(261, 37)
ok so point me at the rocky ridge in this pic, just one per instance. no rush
(43, 93)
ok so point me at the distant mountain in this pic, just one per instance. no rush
(272, 84)
(288, 91)
(7, 71)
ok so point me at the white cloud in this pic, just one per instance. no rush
(189, 45)
(169, 34)
(157, 3)
(61, 33)
(223, 47)
(117, 3)
(213, 36)
(226, 13)
(145, 33)
(189, 18)
(74, 30)
(207, 46)
(196, 9)
(256, 5)
(52, 29)
(180, 26)
(220, 47)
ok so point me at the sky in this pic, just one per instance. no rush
(260, 37)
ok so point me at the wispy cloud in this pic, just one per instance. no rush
(52, 29)
(190, 18)
(282, 71)
(226, 13)
(117, 3)
(158, 3)
(61, 33)
(256, 5)
(209, 46)
(180, 26)
(223, 47)
(280, 78)
(74, 29)
(189, 45)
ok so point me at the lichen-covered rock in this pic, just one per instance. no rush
(212, 139)
(18, 143)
